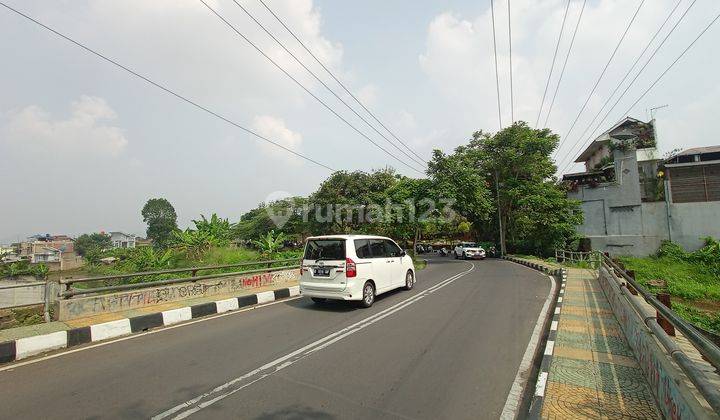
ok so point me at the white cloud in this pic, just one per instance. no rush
(85, 131)
(274, 128)
(367, 95)
(458, 59)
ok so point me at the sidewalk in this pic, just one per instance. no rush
(592, 373)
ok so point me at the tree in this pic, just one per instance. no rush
(218, 228)
(537, 215)
(194, 243)
(92, 243)
(270, 243)
(161, 220)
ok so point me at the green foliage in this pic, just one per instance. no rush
(708, 256)
(194, 243)
(709, 321)
(161, 219)
(215, 227)
(90, 242)
(270, 244)
(24, 268)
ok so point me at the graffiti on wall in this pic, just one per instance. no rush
(87, 306)
(672, 401)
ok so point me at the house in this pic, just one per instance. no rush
(122, 240)
(632, 200)
(57, 251)
(46, 254)
(694, 175)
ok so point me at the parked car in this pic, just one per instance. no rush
(353, 267)
(469, 250)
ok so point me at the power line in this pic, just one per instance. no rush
(512, 99)
(627, 88)
(497, 77)
(328, 107)
(567, 56)
(336, 79)
(668, 68)
(163, 88)
(552, 66)
(637, 60)
(597, 82)
(251, 16)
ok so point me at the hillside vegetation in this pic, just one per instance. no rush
(691, 278)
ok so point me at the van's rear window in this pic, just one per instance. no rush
(325, 249)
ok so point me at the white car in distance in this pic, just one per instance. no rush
(469, 250)
(353, 267)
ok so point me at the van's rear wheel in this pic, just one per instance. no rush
(368, 295)
(319, 300)
(409, 280)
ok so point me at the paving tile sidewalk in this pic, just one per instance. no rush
(593, 373)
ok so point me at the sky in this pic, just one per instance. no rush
(83, 144)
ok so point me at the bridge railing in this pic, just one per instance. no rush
(633, 291)
(68, 291)
(31, 294)
(589, 257)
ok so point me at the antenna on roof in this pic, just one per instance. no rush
(652, 110)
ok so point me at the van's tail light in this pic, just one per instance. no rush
(350, 268)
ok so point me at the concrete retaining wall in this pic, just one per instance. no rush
(87, 306)
(675, 399)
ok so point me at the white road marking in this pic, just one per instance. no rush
(514, 398)
(229, 388)
(557, 310)
(554, 326)
(560, 299)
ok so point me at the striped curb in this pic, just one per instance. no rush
(536, 403)
(538, 398)
(29, 346)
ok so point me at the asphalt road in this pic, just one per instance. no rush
(450, 348)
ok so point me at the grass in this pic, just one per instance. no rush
(694, 289)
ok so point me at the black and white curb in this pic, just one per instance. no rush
(29, 346)
(541, 383)
(536, 266)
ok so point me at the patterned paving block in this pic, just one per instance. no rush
(573, 339)
(610, 344)
(621, 406)
(623, 380)
(570, 402)
(574, 372)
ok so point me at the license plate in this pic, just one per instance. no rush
(323, 272)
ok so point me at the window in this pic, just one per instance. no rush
(362, 248)
(377, 248)
(325, 249)
(392, 249)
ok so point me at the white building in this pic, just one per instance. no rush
(122, 240)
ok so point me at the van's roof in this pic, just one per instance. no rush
(347, 237)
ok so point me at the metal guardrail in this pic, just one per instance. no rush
(70, 291)
(708, 349)
(192, 270)
(590, 257)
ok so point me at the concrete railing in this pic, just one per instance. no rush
(661, 358)
(22, 294)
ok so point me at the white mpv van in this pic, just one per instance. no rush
(353, 267)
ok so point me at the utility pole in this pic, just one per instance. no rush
(500, 223)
